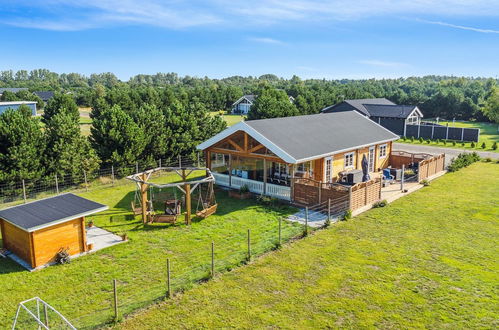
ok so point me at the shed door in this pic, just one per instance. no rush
(371, 159)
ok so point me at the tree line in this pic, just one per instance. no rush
(164, 115)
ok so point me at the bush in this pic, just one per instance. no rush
(428, 141)
(347, 215)
(453, 143)
(463, 160)
(425, 182)
(244, 189)
(382, 203)
(484, 145)
(412, 138)
(404, 138)
(421, 140)
(463, 144)
(445, 142)
(494, 146)
(488, 160)
(472, 144)
(267, 201)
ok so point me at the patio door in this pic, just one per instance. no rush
(328, 169)
(371, 158)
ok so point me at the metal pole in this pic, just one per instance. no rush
(137, 167)
(24, 191)
(85, 177)
(280, 231)
(168, 285)
(249, 244)
(115, 290)
(306, 220)
(212, 259)
(46, 314)
(112, 174)
(179, 161)
(56, 184)
(402, 178)
(329, 209)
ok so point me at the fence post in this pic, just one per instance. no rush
(112, 174)
(306, 220)
(115, 290)
(199, 163)
(168, 284)
(249, 244)
(329, 209)
(320, 192)
(402, 178)
(280, 231)
(159, 162)
(212, 259)
(24, 192)
(137, 167)
(85, 178)
(56, 185)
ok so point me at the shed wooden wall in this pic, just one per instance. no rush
(16, 240)
(40, 247)
(48, 241)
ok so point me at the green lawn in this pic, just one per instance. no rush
(229, 119)
(428, 260)
(82, 290)
(488, 133)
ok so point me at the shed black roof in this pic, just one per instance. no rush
(50, 211)
(44, 95)
(387, 110)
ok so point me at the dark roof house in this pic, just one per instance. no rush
(44, 95)
(383, 111)
(12, 90)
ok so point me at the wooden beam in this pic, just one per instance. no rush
(188, 204)
(83, 235)
(244, 154)
(32, 250)
(245, 141)
(143, 194)
(256, 148)
(235, 145)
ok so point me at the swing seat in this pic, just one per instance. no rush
(207, 211)
(163, 218)
(136, 210)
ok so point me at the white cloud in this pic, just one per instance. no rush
(461, 27)
(78, 14)
(386, 64)
(267, 41)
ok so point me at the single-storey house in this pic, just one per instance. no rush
(384, 112)
(36, 231)
(243, 104)
(266, 154)
(16, 104)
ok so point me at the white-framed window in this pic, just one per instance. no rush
(349, 160)
(218, 160)
(305, 167)
(413, 119)
(328, 169)
(382, 151)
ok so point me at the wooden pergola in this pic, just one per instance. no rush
(185, 185)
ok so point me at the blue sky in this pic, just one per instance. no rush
(219, 38)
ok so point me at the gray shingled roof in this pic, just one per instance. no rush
(13, 90)
(311, 136)
(396, 111)
(50, 211)
(44, 95)
(359, 103)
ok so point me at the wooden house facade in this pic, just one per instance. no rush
(266, 155)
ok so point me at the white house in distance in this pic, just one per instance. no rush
(244, 103)
(16, 104)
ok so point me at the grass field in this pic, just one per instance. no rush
(82, 290)
(230, 119)
(488, 133)
(428, 260)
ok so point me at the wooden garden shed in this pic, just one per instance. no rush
(36, 231)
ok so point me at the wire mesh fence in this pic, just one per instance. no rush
(12, 193)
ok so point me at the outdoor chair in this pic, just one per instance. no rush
(387, 177)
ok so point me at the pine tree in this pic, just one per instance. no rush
(116, 138)
(21, 145)
(61, 103)
(272, 103)
(68, 152)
